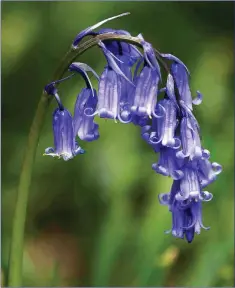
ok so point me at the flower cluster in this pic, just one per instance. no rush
(129, 91)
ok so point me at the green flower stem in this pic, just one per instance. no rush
(16, 252)
(17, 240)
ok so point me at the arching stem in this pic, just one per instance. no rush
(17, 239)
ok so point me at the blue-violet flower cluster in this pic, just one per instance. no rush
(130, 90)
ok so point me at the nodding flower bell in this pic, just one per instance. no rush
(190, 139)
(109, 91)
(84, 125)
(163, 128)
(169, 124)
(208, 171)
(169, 164)
(186, 215)
(180, 74)
(181, 78)
(187, 220)
(65, 145)
(109, 95)
(190, 187)
(145, 95)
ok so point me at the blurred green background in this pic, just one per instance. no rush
(96, 220)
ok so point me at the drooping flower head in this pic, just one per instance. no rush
(167, 125)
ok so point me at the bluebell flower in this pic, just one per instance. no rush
(126, 90)
(163, 128)
(169, 164)
(146, 91)
(110, 87)
(190, 139)
(187, 220)
(180, 75)
(84, 125)
(181, 218)
(169, 124)
(170, 90)
(145, 95)
(152, 134)
(155, 129)
(189, 184)
(208, 171)
(186, 215)
(195, 208)
(125, 55)
(108, 95)
(65, 145)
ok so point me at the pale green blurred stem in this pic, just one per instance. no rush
(17, 240)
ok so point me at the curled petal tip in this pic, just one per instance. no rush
(124, 121)
(198, 99)
(177, 143)
(205, 154)
(164, 198)
(154, 140)
(204, 227)
(162, 112)
(49, 150)
(217, 168)
(206, 196)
